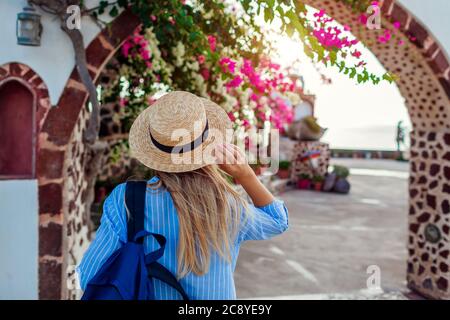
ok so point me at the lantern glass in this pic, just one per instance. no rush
(29, 28)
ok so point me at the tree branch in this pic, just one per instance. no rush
(59, 8)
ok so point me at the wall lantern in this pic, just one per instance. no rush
(29, 27)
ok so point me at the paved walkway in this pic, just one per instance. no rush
(333, 239)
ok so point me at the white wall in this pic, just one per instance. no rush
(434, 14)
(54, 59)
(18, 239)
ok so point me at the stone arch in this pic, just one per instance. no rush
(61, 163)
(424, 72)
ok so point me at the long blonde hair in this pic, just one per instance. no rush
(209, 211)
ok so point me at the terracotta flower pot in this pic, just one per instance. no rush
(318, 186)
(283, 173)
(303, 184)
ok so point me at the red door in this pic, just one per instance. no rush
(17, 128)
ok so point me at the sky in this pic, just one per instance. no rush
(360, 116)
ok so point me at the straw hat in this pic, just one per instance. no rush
(179, 124)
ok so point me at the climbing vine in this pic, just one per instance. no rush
(216, 49)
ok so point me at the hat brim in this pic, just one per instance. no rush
(143, 149)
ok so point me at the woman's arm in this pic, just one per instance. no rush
(109, 237)
(234, 163)
(268, 217)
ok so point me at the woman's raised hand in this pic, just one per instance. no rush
(232, 160)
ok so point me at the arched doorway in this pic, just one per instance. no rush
(24, 103)
(17, 130)
(424, 83)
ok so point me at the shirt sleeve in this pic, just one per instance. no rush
(109, 237)
(264, 222)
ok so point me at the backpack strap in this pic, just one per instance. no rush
(135, 202)
(158, 271)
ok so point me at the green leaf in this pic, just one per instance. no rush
(122, 3)
(193, 36)
(389, 77)
(289, 30)
(300, 7)
(317, 47)
(333, 57)
(281, 12)
(360, 78)
(270, 3)
(268, 14)
(246, 4)
(309, 53)
(295, 21)
(114, 11)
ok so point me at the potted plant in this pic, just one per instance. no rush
(341, 185)
(341, 171)
(304, 181)
(283, 171)
(317, 182)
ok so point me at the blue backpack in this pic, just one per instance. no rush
(128, 274)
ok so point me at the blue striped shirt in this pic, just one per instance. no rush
(161, 217)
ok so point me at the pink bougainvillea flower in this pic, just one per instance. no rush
(346, 27)
(235, 82)
(356, 54)
(254, 97)
(227, 64)
(201, 59)
(363, 19)
(205, 73)
(375, 3)
(401, 42)
(274, 66)
(148, 64)
(361, 64)
(319, 14)
(387, 34)
(397, 25)
(212, 43)
(412, 39)
(382, 39)
(153, 18)
(262, 116)
(123, 102)
(231, 116)
(145, 54)
(126, 49)
(137, 38)
(151, 100)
